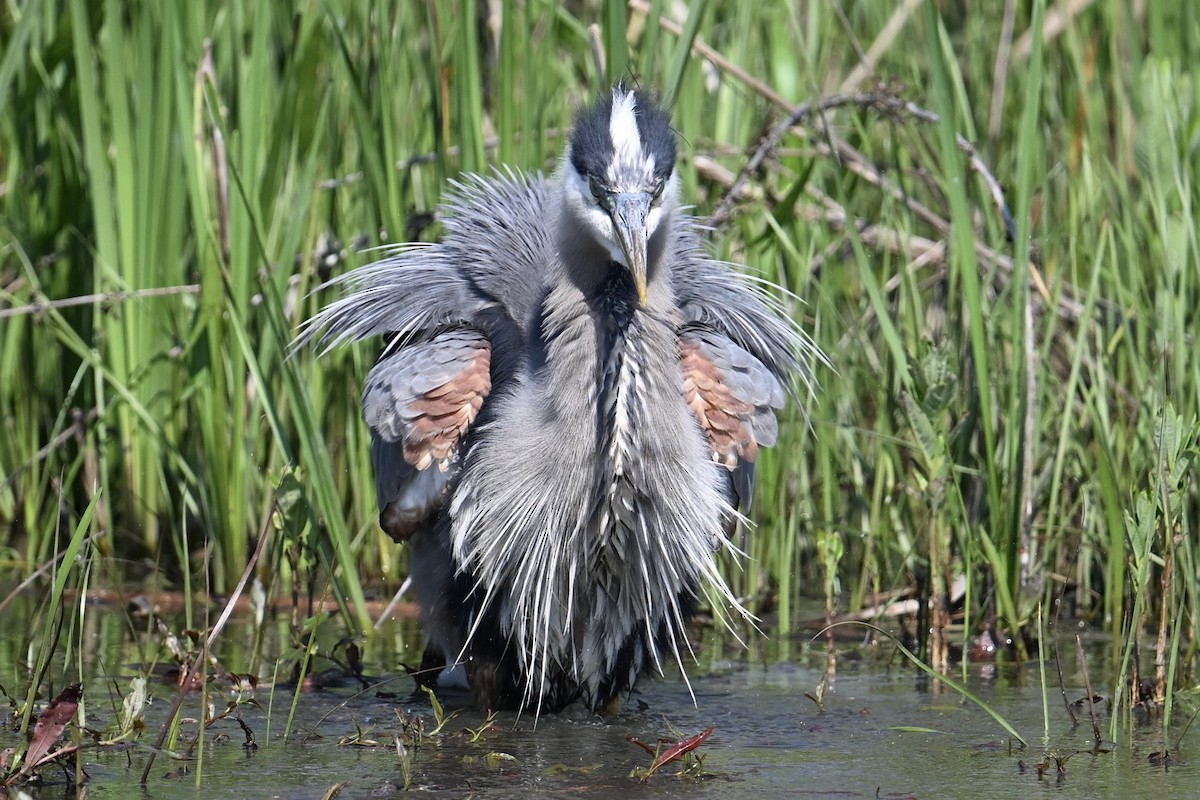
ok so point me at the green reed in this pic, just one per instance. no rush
(179, 179)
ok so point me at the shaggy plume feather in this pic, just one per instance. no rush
(566, 415)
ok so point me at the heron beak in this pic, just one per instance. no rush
(629, 211)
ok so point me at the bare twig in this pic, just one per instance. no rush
(1091, 698)
(1164, 615)
(798, 114)
(75, 430)
(1028, 542)
(386, 614)
(104, 298)
(854, 160)
(595, 40)
(884, 103)
(713, 57)
(490, 144)
(33, 577)
(1062, 686)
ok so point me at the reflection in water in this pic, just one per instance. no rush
(885, 731)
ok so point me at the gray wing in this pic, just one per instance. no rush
(734, 397)
(419, 403)
(741, 353)
(444, 306)
(485, 264)
(714, 295)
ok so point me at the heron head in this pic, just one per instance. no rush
(619, 177)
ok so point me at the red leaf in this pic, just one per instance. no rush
(680, 748)
(640, 743)
(50, 725)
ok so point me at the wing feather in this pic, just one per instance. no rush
(734, 397)
(443, 306)
(419, 403)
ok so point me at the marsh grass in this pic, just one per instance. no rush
(1011, 418)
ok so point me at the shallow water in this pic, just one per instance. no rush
(886, 730)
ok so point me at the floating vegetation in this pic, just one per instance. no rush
(668, 752)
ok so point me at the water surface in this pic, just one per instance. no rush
(885, 730)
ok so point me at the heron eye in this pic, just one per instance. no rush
(657, 191)
(597, 190)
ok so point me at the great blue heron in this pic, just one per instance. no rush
(566, 418)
